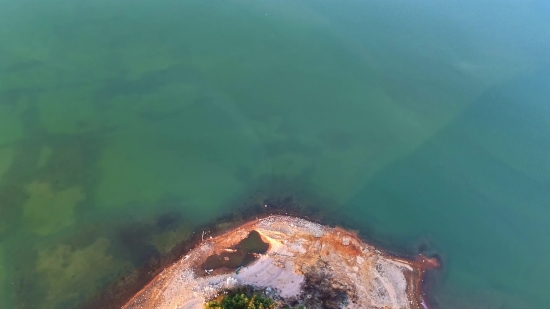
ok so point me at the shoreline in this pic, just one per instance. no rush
(285, 229)
(117, 292)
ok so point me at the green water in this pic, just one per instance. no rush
(126, 124)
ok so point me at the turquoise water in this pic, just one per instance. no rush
(124, 125)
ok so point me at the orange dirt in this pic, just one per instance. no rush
(297, 250)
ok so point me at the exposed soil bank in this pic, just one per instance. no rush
(304, 262)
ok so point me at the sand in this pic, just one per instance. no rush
(298, 250)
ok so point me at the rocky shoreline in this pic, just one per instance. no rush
(297, 261)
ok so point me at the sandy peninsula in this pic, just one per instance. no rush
(293, 260)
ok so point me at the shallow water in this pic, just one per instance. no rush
(244, 253)
(124, 125)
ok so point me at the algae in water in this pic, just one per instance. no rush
(47, 210)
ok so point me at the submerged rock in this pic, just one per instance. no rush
(305, 263)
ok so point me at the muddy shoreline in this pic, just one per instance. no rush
(117, 292)
(120, 291)
(307, 263)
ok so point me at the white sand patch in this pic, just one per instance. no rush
(268, 272)
(372, 278)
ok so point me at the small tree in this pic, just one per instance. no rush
(241, 301)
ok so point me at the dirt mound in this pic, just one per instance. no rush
(304, 263)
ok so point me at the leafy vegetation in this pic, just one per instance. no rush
(241, 301)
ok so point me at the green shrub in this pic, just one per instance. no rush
(241, 301)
